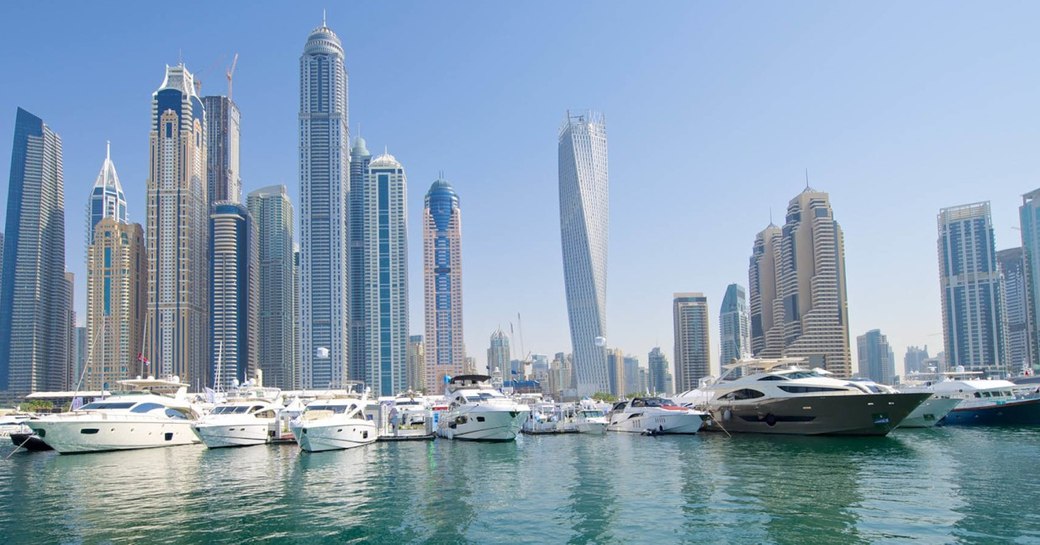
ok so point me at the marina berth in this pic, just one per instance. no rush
(783, 396)
(477, 412)
(406, 417)
(135, 419)
(248, 417)
(653, 415)
(337, 420)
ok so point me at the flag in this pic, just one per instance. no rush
(142, 359)
(77, 402)
(211, 394)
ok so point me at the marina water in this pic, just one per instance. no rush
(942, 485)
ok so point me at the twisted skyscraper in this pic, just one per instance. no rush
(324, 185)
(583, 229)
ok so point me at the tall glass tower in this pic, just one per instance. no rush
(222, 171)
(734, 327)
(384, 269)
(359, 354)
(273, 213)
(33, 321)
(442, 275)
(324, 185)
(973, 314)
(234, 293)
(106, 198)
(1029, 216)
(177, 233)
(583, 229)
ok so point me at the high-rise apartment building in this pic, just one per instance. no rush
(584, 215)
(1012, 266)
(33, 321)
(382, 266)
(442, 274)
(692, 343)
(117, 304)
(235, 294)
(876, 360)
(657, 366)
(324, 186)
(69, 379)
(914, 360)
(177, 233)
(498, 354)
(1029, 217)
(799, 306)
(360, 353)
(106, 198)
(734, 326)
(973, 327)
(223, 177)
(416, 363)
(272, 211)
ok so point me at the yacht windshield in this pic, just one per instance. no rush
(648, 402)
(794, 375)
(338, 409)
(102, 405)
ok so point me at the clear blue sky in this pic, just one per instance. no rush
(714, 111)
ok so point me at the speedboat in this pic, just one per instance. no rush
(653, 415)
(986, 402)
(589, 420)
(335, 421)
(247, 418)
(131, 420)
(477, 412)
(784, 397)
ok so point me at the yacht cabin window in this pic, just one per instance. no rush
(106, 405)
(145, 407)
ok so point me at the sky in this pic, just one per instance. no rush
(715, 111)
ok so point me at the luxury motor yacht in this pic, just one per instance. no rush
(477, 412)
(784, 397)
(130, 420)
(336, 421)
(986, 402)
(248, 417)
(653, 415)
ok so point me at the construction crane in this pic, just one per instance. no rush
(230, 72)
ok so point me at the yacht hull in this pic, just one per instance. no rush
(319, 437)
(29, 441)
(482, 425)
(218, 435)
(929, 413)
(591, 428)
(678, 423)
(78, 436)
(873, 414)
(1021, 412)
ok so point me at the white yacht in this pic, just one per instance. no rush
(131, 420)
(930, 412)
(589, 420)
(546, 417)
(477, 412)
(784, 397)
(653, 415)
(248, 417)
(335, 422)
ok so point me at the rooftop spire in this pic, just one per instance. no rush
(108, 150)
(807, 178)
(323, 17)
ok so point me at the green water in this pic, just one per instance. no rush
(922, 486)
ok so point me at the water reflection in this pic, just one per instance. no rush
(591, 493)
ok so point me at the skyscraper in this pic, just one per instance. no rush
(1029, 217)
(222, 173)
(32, 296)
(973, 329)
(106, 198)
(692, 344)
(360, 353)
(442, 273)
(416, 363)
(657, 364)
(69, 377)
(383, 270)
(584, 214)
(324, 185)
(177, 233)
(235, 294)
(876, 360)
(498, 354)
(734, 328)
(767, 317)
(117, 303)
(1012, 266)
(631, 369)
(914, 360)
(272, 212)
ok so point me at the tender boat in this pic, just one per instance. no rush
(784, 397)
(986, 402)
(247, 418)
(591, 421)
(336, 421)
(131, 420)
(653, 415)
(477, 412)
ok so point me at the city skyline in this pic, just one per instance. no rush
(642, 293)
